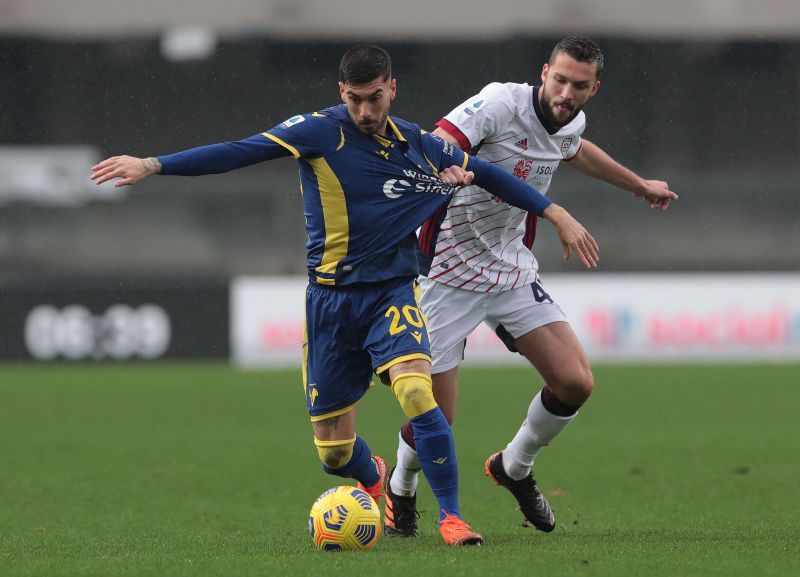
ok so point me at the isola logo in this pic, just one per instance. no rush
(394, 188)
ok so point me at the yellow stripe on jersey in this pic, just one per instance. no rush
(304, 366)
(433, 166)
(384, 142)
(463, 163)
(286, 145)
(417, 298)
(336, 413)
(341, 144)
(396, 130)
(334, 215)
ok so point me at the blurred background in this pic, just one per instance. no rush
(701, 93)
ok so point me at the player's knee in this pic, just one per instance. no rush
(575, 386)
(581, 385)
(415, 393)
(335, 454)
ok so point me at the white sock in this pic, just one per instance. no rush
(536, 431)
(406, 473)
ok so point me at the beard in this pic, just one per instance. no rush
(372, 128)
(547, 112)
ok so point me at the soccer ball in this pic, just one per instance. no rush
(344, 519)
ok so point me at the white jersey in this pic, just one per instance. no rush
(482, 243)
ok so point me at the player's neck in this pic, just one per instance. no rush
(384, 131)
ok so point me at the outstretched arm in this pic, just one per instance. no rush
(208, 159)
(593, 161)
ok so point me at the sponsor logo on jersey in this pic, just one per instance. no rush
(417, 182)
(477, 104)
(565, 144)
(523, 144)
(293, 120)
(394, 188)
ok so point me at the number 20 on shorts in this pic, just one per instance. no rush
(410, 314)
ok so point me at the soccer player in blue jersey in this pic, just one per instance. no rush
(368, 182)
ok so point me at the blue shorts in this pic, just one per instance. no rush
(353, 331)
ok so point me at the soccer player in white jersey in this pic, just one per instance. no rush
(481, 268)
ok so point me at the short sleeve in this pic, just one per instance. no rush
(477, 118)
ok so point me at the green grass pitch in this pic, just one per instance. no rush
(203, 470)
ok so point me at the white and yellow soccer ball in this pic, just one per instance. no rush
(344, 519)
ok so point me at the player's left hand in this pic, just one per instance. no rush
(574, 238)
(456, 176)
(657, 193)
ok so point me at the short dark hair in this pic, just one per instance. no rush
(364, 63)
(581, 49)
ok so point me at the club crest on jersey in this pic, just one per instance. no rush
(293, 120)
(565, 144)
(522, 169)
(477, 104)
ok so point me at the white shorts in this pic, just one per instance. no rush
(452, 314)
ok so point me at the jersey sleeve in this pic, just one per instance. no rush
(478, 117)
(511, 189)
(306, 135)
(440, 153)
(220, 157)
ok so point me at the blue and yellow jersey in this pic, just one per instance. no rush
(364, 196)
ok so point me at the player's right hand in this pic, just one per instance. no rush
(128, 169)
(574, 238)
(456, 176)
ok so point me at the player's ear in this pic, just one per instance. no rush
(545, 68)
(595, 88)
(341, 92)
(393, 88)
